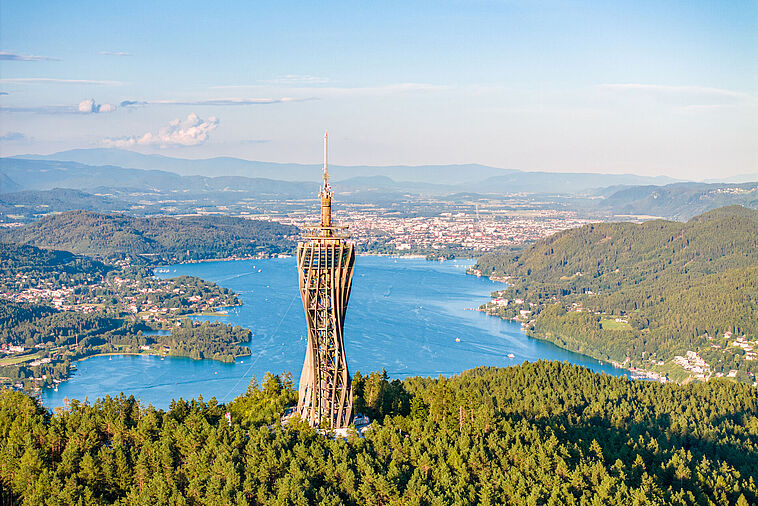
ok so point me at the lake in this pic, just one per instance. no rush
(405, 315)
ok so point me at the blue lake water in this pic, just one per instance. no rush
(404, 314)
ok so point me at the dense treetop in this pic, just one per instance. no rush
(24, 259)
(163, 238)
(542, 433)
(679, 285)
(609, 254)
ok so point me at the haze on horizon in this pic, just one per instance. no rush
(647, 87)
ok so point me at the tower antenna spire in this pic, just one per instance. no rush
(326, 199)
(326, 176)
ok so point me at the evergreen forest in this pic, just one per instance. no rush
(643, 294)
(538, 433)
(162, 239)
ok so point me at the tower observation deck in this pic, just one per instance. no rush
(325, 262)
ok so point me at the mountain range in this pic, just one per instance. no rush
(22, 174)
(37, 184)
(465, 177)
(679, 201)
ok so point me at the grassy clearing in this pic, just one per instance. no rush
(19, 359)
(674, 372)
(612, 324)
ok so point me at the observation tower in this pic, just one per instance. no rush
(325, 262)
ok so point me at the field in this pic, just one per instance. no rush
(18, 359)
(612, 324)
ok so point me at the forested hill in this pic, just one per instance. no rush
(19, 260)
(712, 242)
(112, 236)
(679, 201)
(541, 433)
(681, 286)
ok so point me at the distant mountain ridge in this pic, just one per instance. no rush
(49, 174)
(464, 177)
(230, 166)
(57, 200)
(7, 184)
(680, 201)
(559, 182)
(737, 178)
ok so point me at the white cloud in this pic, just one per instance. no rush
(210, 101)
(681, 95)
(192, 131)
(13, 136)
(115, 53)
(41, 109)
(90, 106)
(380, 90)
(50, 80)
(8, 56)
(299, 79)
(383, 90)
(87, 106)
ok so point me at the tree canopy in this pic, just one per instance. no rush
(539, 433)
(162, 238)
(678, 286)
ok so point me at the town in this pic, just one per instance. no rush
(379, 230)
(129, 291)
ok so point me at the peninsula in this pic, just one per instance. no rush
(675, 299)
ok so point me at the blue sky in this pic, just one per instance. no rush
(647, 87)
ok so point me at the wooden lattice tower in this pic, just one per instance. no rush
(325, 263)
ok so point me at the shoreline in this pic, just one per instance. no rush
(287, 255)
(140, 354)
(113, 353)
(146, 354)
(130, 353)
(636, 373)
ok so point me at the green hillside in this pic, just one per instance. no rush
(161, 238)
(678, 287)
(542, 433)
(23, 259)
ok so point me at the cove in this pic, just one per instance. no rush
(405, 314)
